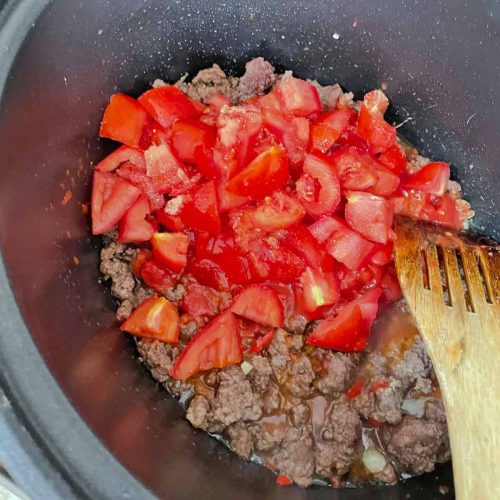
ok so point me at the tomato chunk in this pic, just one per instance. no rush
(329, 127)
(343, 332)
(368, 304)
(349, 248)
(394, 159)
(124, 120)
(121, 155)
(432, 178)
(260, 304)
(111, 198)
(303, 244)
(355, 169)
(262, 342)
(168, 104)
(157, 277)
(142, 256)
(370, 215)
(371, 124)
(134, 228)
(144, 183)
(200, 301)
(386, 182)
(217, 345)
(265, 174)
(318, 188)
(319, 289)
(188, 136)
(298, 96)
(324, 227)
(170, 249)
(155, 318)
(277, 211)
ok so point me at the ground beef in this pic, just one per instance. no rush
(388, 401)
(328, 94)
(299, 383)
(258, 77)
(197, 412)
(115, 265)
(240, 440)
(299, 415)
(266, 436)
(415, 365)
(271, 399)
(279, 353)
(338, 372)
(262, 371)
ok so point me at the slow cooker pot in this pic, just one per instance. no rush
(79, 416)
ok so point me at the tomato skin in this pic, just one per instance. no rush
(262, 343)
(442, 210)
(394, 159)
(355, 390)
(344, 332)
(217, 345)
(260, 304)
(303, 244)
(298, 96)
(155, 318)
(265, 174)
(133, 227)
(370, 215)
(349, 248)
(125, 121)
(390, 285)
(170, 249)
(278, 211)
(190, 135)
(157, 277)
(168, 104)
(111, 198)
(282, 480)
(318, 188)
(432, 178)
(319, 289)
(328, 128)
(121, 155)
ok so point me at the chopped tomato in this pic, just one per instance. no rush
(324, 227)
(319, 289)
(157, 277)
(343, 332)
(386, 183)
(371, 124)
(303, 244)
(442, 210)
(168, 104)
(356, 388)
(133, 227)
(432, 178)
(390, 285)
(370, 215)
(200, 301)
(318, 188)
(228, 200)
(170, 249)
(355, 169)
(155, 318)
(329, 127)
(410, 204)
(124, 120)
(265, 174)
(207, 273)
(368, 304)
(283, 480)
(142, 256)
(188, 136)
(111, 198)
(171, 222)
(217, 102)
(217, 345)
(379, 384)
(394, 159)
(121, 155)
(262, 342)
(382, 254)
(164, 168)
(260, 304)
(199, 209)
(277, 211)
(349, 248)
(144, 183)
(298, 96)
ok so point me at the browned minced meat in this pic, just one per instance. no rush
(291, 408)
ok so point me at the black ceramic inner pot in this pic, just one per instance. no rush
(80, 416)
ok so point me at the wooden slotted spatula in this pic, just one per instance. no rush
(452, 286)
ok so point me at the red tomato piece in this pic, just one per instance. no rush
(157, 277)
(370, 215)
(165, 169)
(382, 254)
(142, 256)
(349, 248)
(302, 243)
(319, 289)
(171, 222)
(371, 124)
(356, 388)
(170, 249)
(217, 345)
(200, 301)
(390, 285)
(262, 343)
(144, 183)
(354, 169)
(318, 188)
(368, 304)
(324, 227)
(298, 96)
(329, 127)
(432, 178)
(217, 102)
(229, 200)
(133, 227)
(277, 211)
(155, 318)
(265, 174)
(394, 159)
(187, 136)
(343, 332)
(282, 480)
(260, 304)
(168, 104)
(111, 198)
(121, 155)
(410, 204)
(124, 120)
(386, 184)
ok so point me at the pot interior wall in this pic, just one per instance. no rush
(432, 57)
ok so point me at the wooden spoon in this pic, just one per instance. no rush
(452, 286)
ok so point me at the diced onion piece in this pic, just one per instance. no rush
(246, 367)
(374, 461)
(415, 407)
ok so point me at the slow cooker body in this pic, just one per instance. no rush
(104, 426)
